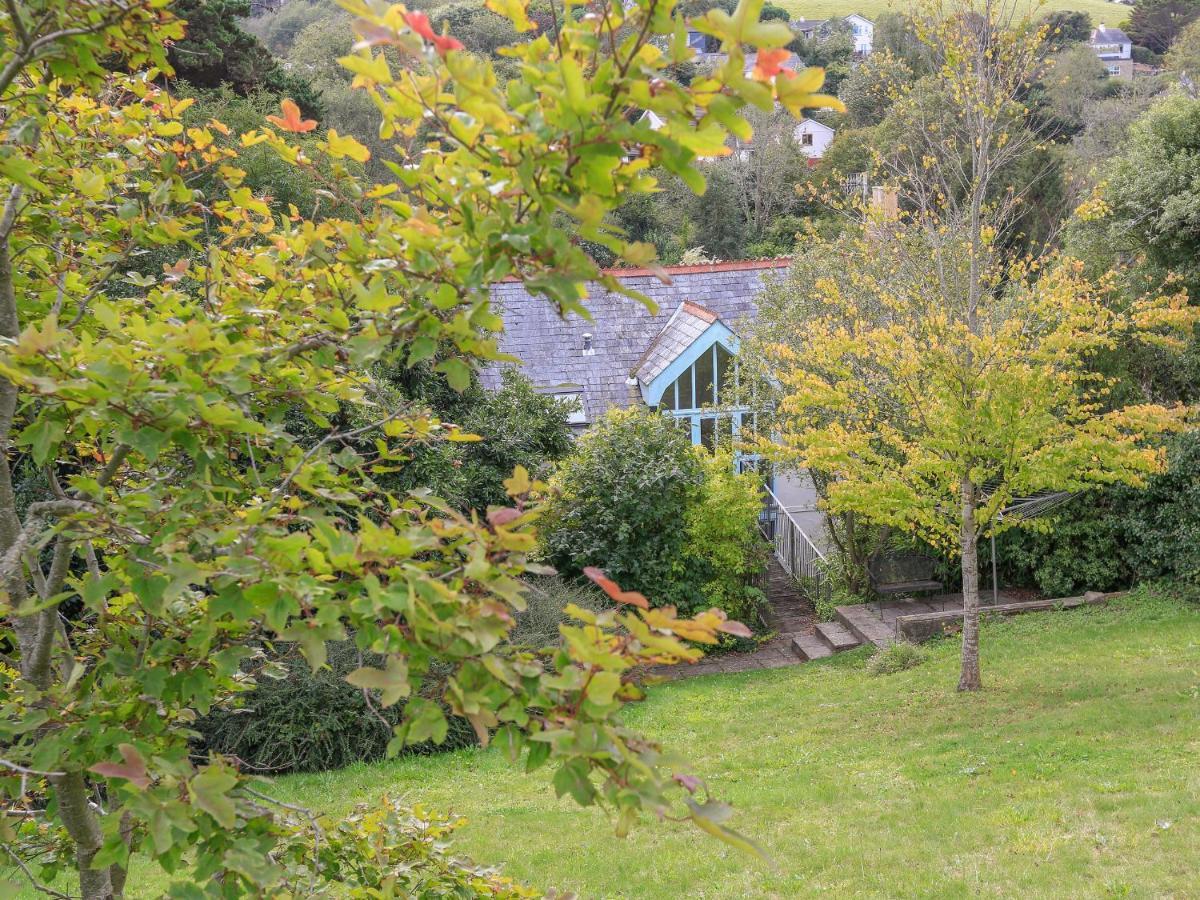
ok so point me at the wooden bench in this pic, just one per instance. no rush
(909, 573)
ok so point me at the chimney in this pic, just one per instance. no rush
(588, 349)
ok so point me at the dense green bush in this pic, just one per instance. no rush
(297, 720)
(725, 547)
(658, 515)
(622, 500)
(1110, 539)
(304, 721)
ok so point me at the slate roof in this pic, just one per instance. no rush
(624, 333)
(687, 323)
(1106, 35)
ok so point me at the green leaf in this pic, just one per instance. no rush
(572, 778)
(392, 682)
(424, 721)
(457, 372)
(602, 687)
(42, 437)
(210, 791)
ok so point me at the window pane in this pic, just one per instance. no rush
(724, 374)
(704, 378)
(708, 433)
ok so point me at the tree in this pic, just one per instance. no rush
(873, 87)
(972, 373)
(1183, 59)
(178, 480)
(1146, 206)
(216, 51)
(1065, 28)
(1155, 24)
(763, 173)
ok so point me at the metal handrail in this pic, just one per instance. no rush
(795, 550)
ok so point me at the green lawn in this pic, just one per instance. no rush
(1099, 10)
(1075, 774)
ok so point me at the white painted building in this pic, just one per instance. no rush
(864, 33)
(813, 138)
(1114, 49)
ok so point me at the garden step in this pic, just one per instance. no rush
(867, 625)
(809, 646)
(837, 636)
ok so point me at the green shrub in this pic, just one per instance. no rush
(622, 501)
(1110, 539)
(309, 721)
(896, 658)
(725, 549)
(545, 600)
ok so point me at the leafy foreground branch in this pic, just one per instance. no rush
(194, 435)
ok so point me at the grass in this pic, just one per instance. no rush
(1076, 773)
(1099, 10)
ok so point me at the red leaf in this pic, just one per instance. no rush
(735, 628)
(419, 23)
(770, 63)
(502, 515)
(132, 770)
(610, 587)
(291, 121)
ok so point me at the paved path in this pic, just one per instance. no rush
(790, 614)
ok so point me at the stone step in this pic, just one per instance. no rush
(837, 636)
(809, 646)
(865, 623)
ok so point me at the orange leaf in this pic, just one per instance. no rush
(610, 587)
(419, 23)
(770, 63)
(291, 121)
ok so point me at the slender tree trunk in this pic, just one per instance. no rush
(72, 795)
(969, 679)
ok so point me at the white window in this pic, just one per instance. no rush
(1114, 69)
(572, 402)
(806, 140)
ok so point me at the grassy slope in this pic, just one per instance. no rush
(1075, 774)
(1099, 10)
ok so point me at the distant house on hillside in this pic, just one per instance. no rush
(1114, 49)
(861, 27)
(679, 360)
(813, 138)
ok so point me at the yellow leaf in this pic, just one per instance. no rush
(345, 145)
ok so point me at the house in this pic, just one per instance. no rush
(678, 359)
(864, 33)
(813, 138)
(861, 27)
(1114, 49)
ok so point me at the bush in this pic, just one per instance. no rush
(658, 515)
(896, 658)
(622, 500)
(725, 547)
(545, 600)
(1113, 538)
(309, 721)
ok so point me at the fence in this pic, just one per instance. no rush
(795, 550)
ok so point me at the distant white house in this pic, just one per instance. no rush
(1114, 49)
(861, 27)
(864, 33)
(813, 138)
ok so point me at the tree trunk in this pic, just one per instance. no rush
(71, 791)
(969, 679)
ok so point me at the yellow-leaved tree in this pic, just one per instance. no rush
(928, 369)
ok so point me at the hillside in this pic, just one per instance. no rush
(1099, 10)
